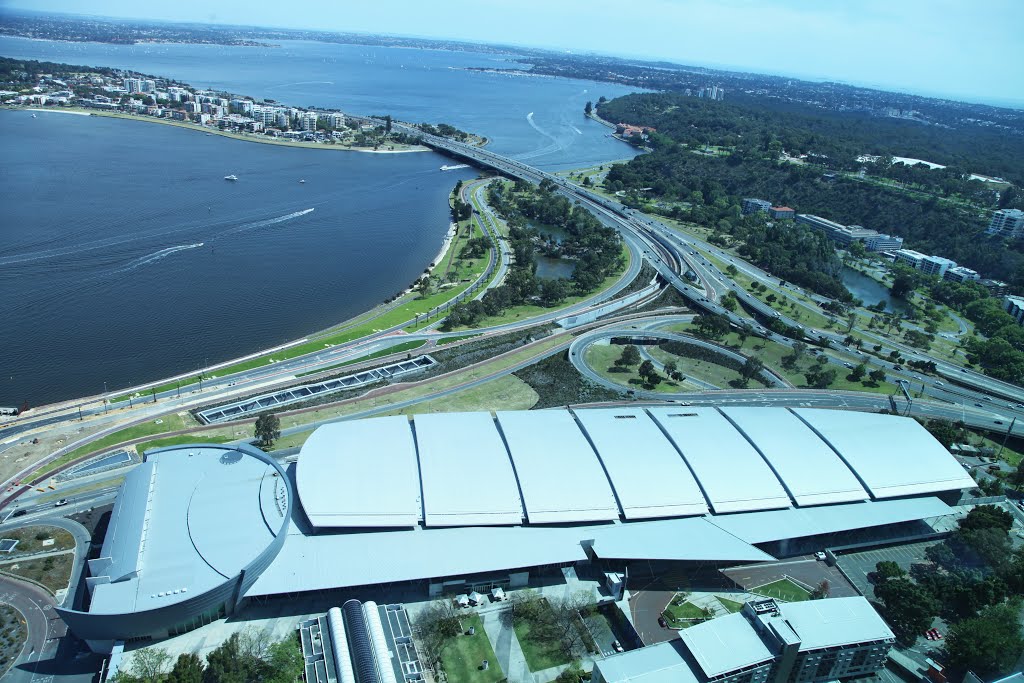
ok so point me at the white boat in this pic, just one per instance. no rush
(231, 177)
(302, 181)
(33, 115)
(454, 168)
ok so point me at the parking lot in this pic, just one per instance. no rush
(809, 572)
(858, 565)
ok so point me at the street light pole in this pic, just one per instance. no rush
(105, 398)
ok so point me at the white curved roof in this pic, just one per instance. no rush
(734, 476)
(559, 474)
(892, 456)
(810, 470)
(647, 473)
(466, 472)
(361, 473)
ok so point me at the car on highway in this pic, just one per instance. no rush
(19, 513)
(61, 503)
(998, 422)
(978, 405)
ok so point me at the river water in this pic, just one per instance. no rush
(125, 257)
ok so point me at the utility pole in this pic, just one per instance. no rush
(105, 398)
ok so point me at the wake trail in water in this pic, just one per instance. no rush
(265, 223)
(156, 256)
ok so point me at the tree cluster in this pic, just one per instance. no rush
(595, 249)
(974, 580)
(245, 657)
(554, 621)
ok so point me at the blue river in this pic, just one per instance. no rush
(126, 257)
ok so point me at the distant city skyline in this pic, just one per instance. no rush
(938, 48)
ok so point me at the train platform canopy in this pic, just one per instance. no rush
(717, 453)
(811, 471)
(892, 456)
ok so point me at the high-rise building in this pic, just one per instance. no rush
(1007, 223)
(133, 85)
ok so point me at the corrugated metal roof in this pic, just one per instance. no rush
(340, 486)
(649, 477)
(687, 539)
(660, 663)
(811, 471)
(834, 622)
(775, 525)
(560, 477)
(725, 644)
(466, 472)
(892, 456)
(734, 476)
(204, 523)
(337, 560)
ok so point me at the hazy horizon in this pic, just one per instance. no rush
(945, 50)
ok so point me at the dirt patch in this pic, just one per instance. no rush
(54, 572)
(12, 636)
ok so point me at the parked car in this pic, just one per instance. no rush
(662, 623)
(819, 556)
(617, 646)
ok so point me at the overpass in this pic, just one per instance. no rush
(670, 254)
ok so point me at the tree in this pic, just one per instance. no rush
(711, 325)
(887, 569)
(435, 626)
(819, 377)
(630, 356)
(227, 665)
(672, 369)
(647, 372)
(857, 374)
(877, 375)
(285, 661)
(148, 665)
(903, 284)
(588, 108)
(988, 644)
(987, 517)
(387, 124)
(822, 590)
(751, 368)
(188, 668)
(268, 430)
(908, 608)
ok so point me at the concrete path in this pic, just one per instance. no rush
(506, 648)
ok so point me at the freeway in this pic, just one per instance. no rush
(667, 249)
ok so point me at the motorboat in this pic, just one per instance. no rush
(231, 177)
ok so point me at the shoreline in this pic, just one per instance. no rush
(199, 128)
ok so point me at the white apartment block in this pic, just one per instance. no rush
(1007, 223)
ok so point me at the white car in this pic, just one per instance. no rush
(820, 556)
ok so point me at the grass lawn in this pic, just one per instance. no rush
(539, 654)
(601, 358)
(397, 348)
(728, 604)
(168, 423)
(504, 393)
(28, 543)
(183, 438)
(52, 572)
(682, 614)
(783, 589)
(463, 655)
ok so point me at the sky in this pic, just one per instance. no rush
(960, 49)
